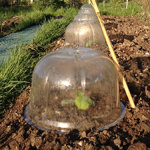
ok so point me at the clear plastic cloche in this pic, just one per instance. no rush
(87, 9)
(85, 17)
(85, 34)
(74, 89)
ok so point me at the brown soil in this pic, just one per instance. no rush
(96, 116)
(131, 40)
(8, 24)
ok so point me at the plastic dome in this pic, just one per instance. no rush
(85, 34)
(85, 17)
(74, 89)
(87, 9)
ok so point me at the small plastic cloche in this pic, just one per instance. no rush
(85, 34)
(74, 89)
(85, 17)
(87, 9)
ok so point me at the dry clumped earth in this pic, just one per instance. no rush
(130, 37)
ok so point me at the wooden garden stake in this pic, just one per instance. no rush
(93, 2)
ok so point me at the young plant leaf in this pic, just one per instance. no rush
(83, 102)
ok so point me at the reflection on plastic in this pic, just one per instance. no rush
(65, 83)
(58, 124)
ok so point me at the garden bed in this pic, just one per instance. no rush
(131, 40)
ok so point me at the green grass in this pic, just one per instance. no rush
(38, 17)
(51, 30)
(119, 9)
(16, 10)
(145, 9)
(15, 74)
(30, 16)
(6, 13)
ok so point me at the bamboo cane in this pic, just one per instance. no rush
(93, 2)
(89, 1)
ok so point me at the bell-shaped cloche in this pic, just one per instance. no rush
(74, 89)
(87, 9)
(85, 17)
(85, 34)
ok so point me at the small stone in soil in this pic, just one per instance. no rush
(117, 142)
(83, 134)
(137, 146)
(14, 145)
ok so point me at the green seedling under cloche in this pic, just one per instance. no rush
(82, 102)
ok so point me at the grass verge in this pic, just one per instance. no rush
(53, 29)
(15, 74)
(119, 9)
(28, 18)
(6, 13)
(37, 17)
